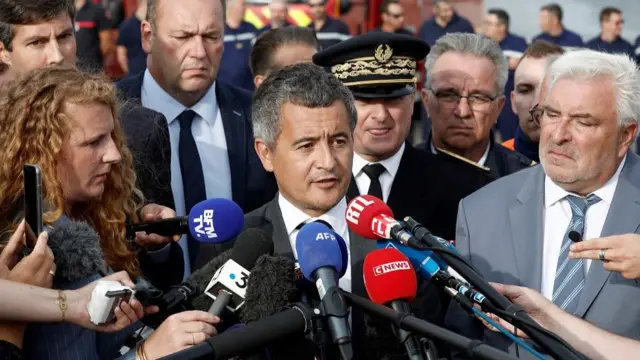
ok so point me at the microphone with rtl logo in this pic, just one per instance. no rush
(390, 280)
(372, 219)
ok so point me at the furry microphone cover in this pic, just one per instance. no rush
(76, 248)
(200, 278)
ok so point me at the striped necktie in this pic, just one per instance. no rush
(570, 278)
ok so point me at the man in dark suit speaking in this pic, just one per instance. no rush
(209, 124)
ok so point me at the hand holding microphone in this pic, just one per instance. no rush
(153, 213)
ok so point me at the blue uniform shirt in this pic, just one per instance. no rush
(130, 37)
(234, 68)
(566, 39)
(332, 32)
(430, 31)
(618, 46)
(512, 46)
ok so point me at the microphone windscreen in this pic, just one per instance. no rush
(76, 248)
(361, 212)
(343, 248)
(215, 220)
(388, 276)
(318, 246)
(249, 246)
(271, 288)
(200, 278)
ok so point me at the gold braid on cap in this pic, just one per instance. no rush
(381, 63)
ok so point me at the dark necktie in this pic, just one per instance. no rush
(373, 171)
(570, 278)
(192, 175)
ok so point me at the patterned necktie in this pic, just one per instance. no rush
(570, 278)
(192, 174)
(373, 171)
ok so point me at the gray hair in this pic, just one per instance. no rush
(306, 85)
(471, 44)
(586, 65)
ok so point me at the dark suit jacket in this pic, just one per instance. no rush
(251, 185)
(500, 160)
(429, 189)
(375, 340)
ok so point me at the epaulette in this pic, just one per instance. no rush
(464, 159)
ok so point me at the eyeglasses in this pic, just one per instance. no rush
(478, 102)
(396, 16)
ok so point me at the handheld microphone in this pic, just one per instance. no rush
(371, 218)
(229, 284)
(320, 258)
(247, 339)
(76, 248)
(209, 221)
(390, 279)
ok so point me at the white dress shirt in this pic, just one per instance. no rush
(482, 160)
(335, 217)
(208, 132)
(391, 166)
(557, 215)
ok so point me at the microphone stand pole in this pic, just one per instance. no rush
(474, 349)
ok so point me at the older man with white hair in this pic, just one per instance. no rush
(588, 186)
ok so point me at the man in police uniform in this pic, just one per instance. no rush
(413, 182)
(239, 35)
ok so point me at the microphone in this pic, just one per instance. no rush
(253, 337)
(575, 236)
(209, 221)
(76, 250)
(321, 260)
(229, 284)
(371, 218)
(390, 279)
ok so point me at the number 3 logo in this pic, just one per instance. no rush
(242, 282)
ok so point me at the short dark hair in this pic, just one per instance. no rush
(502, 15)
(553, 9)
(262, 61)
(152, 10)
(28, 12)
(305, 85)
(541, 49)
(384, 7)
(606, 13)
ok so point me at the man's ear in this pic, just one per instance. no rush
(147, 36)
(5, 55)
(257, 81)
(264, 153)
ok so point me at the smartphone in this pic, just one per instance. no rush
(119, 296)
(32, 203)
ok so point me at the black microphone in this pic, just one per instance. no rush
(229, 284)
(76, 248)
(256, 335)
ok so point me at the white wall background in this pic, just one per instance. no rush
(581, 16)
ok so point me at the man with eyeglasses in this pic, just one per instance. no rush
(329, 31)
(588, 186)
(392, 16)
(463, 95)
(610, 39)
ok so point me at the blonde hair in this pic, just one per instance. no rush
(33, 129)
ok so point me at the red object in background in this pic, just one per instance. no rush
(373, 15)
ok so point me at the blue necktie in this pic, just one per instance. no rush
(570, 278)
(192, 175)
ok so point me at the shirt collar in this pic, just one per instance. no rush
(390, 164)
(159, 100)
(293, 216)
(554, 193)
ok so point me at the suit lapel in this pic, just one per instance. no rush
(273, 215)
(403, 181)
(626, 201)
(235, 132)
(353, 191)
(526, 223)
